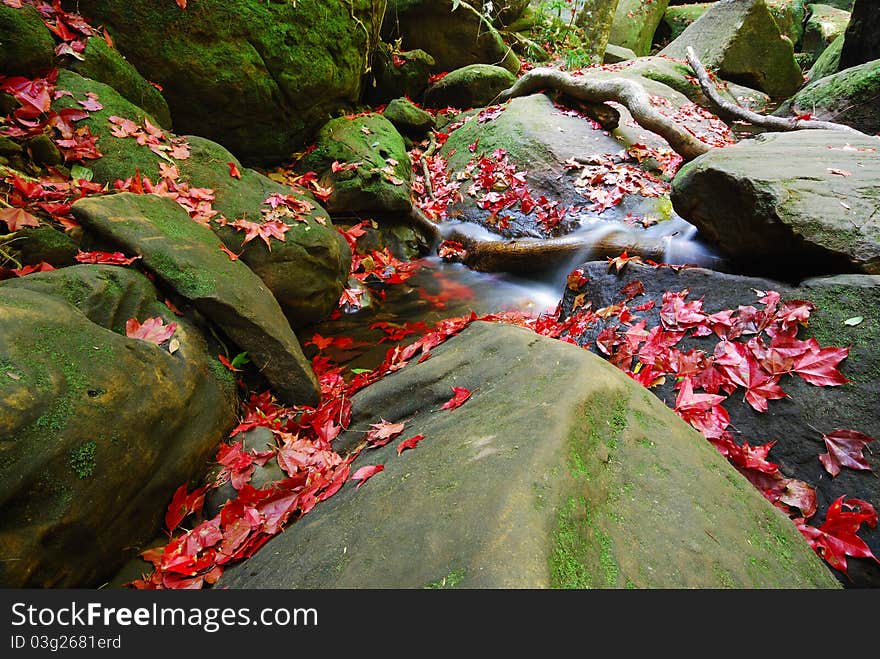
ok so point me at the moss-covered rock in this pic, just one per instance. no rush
(398, 74)
(823, 26)
(789, 15)
(379, 175)
(107, 65)
(471, 86)
(305, 272)
(408, 119)
(615, 54)
(635, 22)
(724, 39)
(848, 97)
(97, 430)
(258, 77)
(677, 18)
(792, 422)
(26, 45)
(186, 257)
(558, 472)
(35, 245)
(828, 63)
(454, 38)
(812, 219)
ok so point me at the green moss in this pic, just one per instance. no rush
(451, 580)
(610, 568)
(570, 547)
(187, 279)
(725, 580)
(82, 459)
(28, 46)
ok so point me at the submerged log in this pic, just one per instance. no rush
(530, 255)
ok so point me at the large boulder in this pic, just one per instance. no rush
(823, 26)
(105, 64)
(828, 63)
(861, 43)
(635, 22)
(794, 423)
(375, 173)
(724, 39)
(676, 19)
(397, 73)
(847, 97)
(538, 139)
(187, 257)
(473, 86)
(258, 77)
(789, 15)
(454, 33)
(305, 271)
(97, 430)
(28, 46)
(812, 219)
(558, 472)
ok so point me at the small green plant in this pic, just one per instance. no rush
(82, 459)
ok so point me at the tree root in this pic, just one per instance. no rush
(622, 90)
(764, 121)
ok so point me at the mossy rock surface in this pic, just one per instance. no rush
(789, 15)
(823, 26)
(381, 180)
(186, 257)
(741, 42)
(97, 430)
(558, 472)
(828, 63)
(635, 22)
(107, 65)
(792, 222)
(791, 422)
(471, 86)
(677, 18)
(847, 97)
(28, 48)
(259, 77)
(409, 119)
(305, 271)
(453, 38)
(34, 245)
(407, 77)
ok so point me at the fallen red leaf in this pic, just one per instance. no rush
(836, 538)
(183, 504)
(153, 330)
(232, 255)
(366, 473)
(409, 443)
(107, 258)
(819, 365)
(383, 432)
(16, 218)
(845, 449)
(233, 170)
(461, 395)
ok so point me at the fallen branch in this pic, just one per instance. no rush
(530, 255)
(429, 188)
(762, 120)
(622, 90)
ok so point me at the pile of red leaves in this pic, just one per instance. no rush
(35, 116)
(70, 29)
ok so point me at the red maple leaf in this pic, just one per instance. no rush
(836, 538)
(233, 170)
(183, 504)
(108, 258)
(383, 432)
(461, 395)
(845, 449)
(15, 218)
(153, 330)
(409, 443)
(366, 473)
(819, 365)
